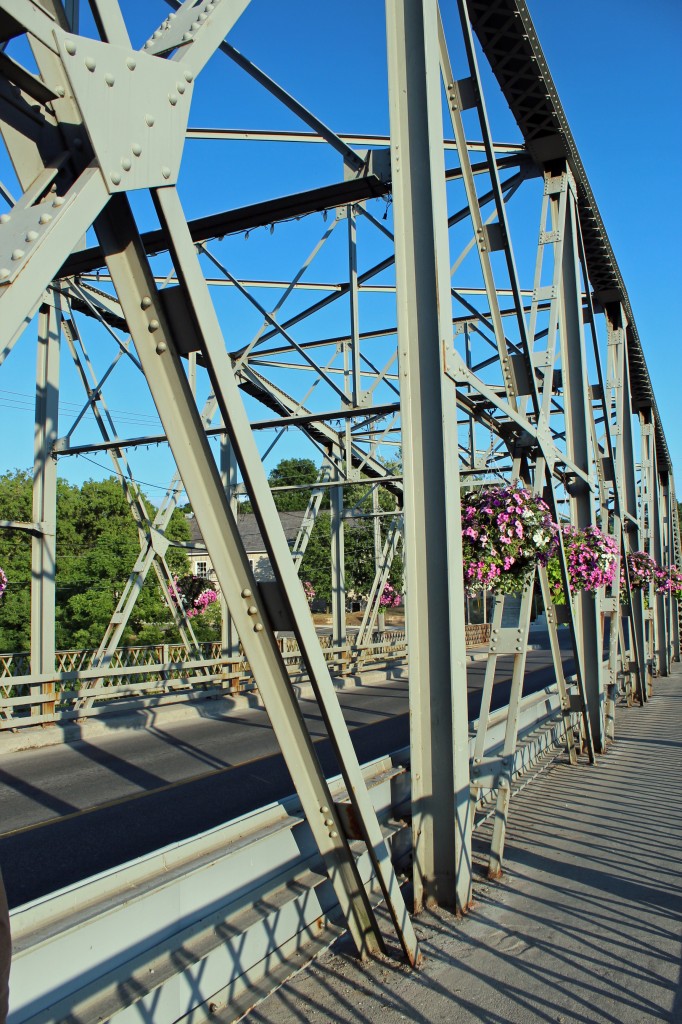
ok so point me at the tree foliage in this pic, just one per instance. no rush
(97, 546)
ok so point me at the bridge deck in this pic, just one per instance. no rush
(586, 926)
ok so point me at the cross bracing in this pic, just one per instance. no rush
(422, 336)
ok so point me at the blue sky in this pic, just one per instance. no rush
(619, 78)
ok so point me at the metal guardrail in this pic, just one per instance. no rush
(210, 924)
(157, 670)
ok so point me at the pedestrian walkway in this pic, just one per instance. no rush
(585, 926)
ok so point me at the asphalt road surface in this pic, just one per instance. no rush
(69, 812)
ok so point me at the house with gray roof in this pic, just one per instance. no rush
(250, 534)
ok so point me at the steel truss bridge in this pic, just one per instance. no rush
(468, 313)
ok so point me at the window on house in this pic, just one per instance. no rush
(202, 569)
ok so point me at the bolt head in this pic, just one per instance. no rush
(258, 628)
(165, 171)
(126, 163)
(161, 347)
(4, 273)
(153, 326)
(31, 236)
(131, 64)
(109, 79)
(18, 254)
(90, 63)
(136, 148)
(145, 302)
(115, 177)
(4, 218)
(70, 47)
(149, 120)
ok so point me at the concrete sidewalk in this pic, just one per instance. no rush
(586, 925)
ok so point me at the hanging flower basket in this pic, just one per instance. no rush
(3, 582)
(390, 598)
(309, 591)
(506, 532)
(195, 593)
(642, 569)
(668, 580)
(591, 558)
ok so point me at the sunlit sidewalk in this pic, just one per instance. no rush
(586, 925)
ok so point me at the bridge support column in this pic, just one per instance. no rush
(338, 556)
(659, 554)
(43, 547)
(577, 414)
(229, 639)
(433, 547)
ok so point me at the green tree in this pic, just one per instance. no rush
(97, 546)
(293, 473)
(16, 503)
(358, 545)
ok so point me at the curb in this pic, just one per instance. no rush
(186, 706)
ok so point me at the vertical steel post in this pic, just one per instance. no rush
(44, 539)
(338, 561)
(625, 470)
(576, 416)
(229, 640)
(433, 547)
(646, 512)
(658, 553)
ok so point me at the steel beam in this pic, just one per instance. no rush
(44, 543)
(433, 547)
(577, 415)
